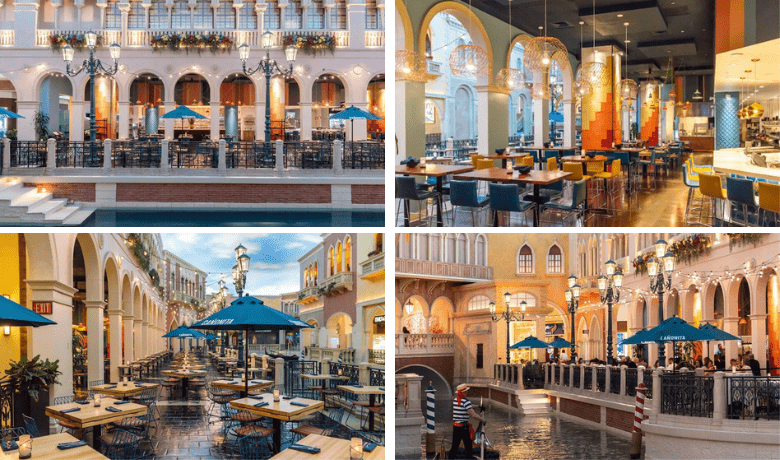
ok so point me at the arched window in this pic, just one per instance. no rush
(158, 15)
(463, 248)
(517, 297)
(555, 260)
(226, 16)
(247, 18)
(306, 277)
(338, 15)
(525, 260)
(203, 17)
(331, 262)
(744, 308)
(373, 16)
(449, 254)
(272, 16)
(292, 15)
(478, 302)
(435, 241)
(480, 255)
(136, 17)
(316, 15)
(339, 257)
(113, 16)
(348, 254)
(314, 275)
(180, 17)
(718, 306)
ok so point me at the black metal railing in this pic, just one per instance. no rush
(6, 405)
(363, 155)
(350, 370)
(687, 394)
(752, 398)
(308, 155)
(566, 376)
(557, 375)
(601, 379)
(2, 156)
(614, 380)
(376, 356)
(136, 154)
(433, 139)
(376, 376)
(186, 154)
(533, 376)
(631, 381)
(548, 370)
(250, 155)
(28, 154)
(78, 154)
(648, 382)
(587, 382)
(576, 377)
(294, 385)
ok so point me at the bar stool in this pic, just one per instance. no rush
(506, 198)
(769, 200)
(464, 193)
(611, 177)
(740, 192)
(710, 185)
(692, 181)
(406, 191)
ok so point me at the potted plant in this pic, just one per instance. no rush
(31, 380)
(11, 134)
(41, 122)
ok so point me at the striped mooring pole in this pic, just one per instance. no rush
(636, 436)
(430, 420)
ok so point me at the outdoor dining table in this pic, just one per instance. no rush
(187, 366)
(278, 411)
(46, 447)
(434, 170)
(238, 385)
(506, 156)
(330, 448)
(123, 391)
(324, 378)
(184, 376)
(371, 391)
(88, 415)
(534, 177)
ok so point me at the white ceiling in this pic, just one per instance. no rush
(731, 65)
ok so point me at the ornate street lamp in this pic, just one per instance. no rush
(572, 299)
(270, 68)
(660, 269)
(508, 315)
(609, 286)
(221, 301)
(239, 280)
(92, 66)
(409, 307)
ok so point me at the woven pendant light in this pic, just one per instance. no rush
(628, 87)
(508, 78)
(594, 72)
(410, 66)
(469, 61)
(756, 109)
(540, 52)
(581, 86)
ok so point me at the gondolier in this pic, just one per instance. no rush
(461, 410)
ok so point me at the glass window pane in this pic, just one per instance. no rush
(203, 15)
(180, 18)
(272, 17)
(226, 16)
(338, 15)
(247, 18)
(158, 16)
(113, 16)
(316, 15)
(373, 16)
(136, 18)
(292, 16)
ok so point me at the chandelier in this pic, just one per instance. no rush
(581, 86)
(509, 78)
(628, 87)
(410, 66)
(596, 73)
(756, 109)
(540, 52)
(469, 60)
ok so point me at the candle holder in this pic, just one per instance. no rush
(124, 381)
(510, 166)
(355, 449)
(25, 446)
(96, 400)
(276, 395)
(423, 162)
(339, 372)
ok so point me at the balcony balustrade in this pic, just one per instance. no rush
(438, 270)
(373, 269)
(424, 344)
(182, 297)
(340, 282)
(308, 295)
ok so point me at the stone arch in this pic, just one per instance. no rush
(463, 110)
(92, 264)
(596, 339)
(348, 96)
(473, 26)
(112, 274)
(127, 296)
(467, 253)
(443, 310)
(42, 256)
(433, 377)
(213, 89)
(547, 255)
(485, 258)
(405, 34)
(340, 327)
(420, 307)
(137, 313)
(533, 258)
(124, 89)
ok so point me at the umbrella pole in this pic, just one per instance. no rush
(246, 363)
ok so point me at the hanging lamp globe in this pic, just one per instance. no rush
(539, 54)
(468, 61)
(541, 92)
(672, 96)
(628, 89)
(510, 79)
(410, 66)
(697, 95)
(756, 110)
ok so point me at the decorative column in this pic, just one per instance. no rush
(541, 111)
(95, 355)
(259, 115)
(726, 121)
(26, 127)
(492, 114)
(214, 133)
(569, 112)
(127, 321)
(759, 332)
(731, 325)
(138, 341)
(124, 120)
(305, 121)
(409, 120)
(168, 106)
(25, 14)
(649, 103)
(598, 107)
(356, 21)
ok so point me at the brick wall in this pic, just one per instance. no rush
(75, 191)
(621, 420)
(224, 193)
(368, 194)
(579, 409)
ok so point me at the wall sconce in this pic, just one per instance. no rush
(6, 330)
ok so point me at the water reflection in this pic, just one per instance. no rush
(518, 436)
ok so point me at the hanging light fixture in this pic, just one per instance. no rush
(756, 109)
(469, 60)
(581, 86)
(697, 95)
(741, 111)
(410, 66)
(541, 51)
(509, 78)
(594, 72)
(628, 87)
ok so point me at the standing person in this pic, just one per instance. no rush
(461, 410)
(754, 365)
(563, 357)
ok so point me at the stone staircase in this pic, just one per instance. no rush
(533, 401)
(25, 205)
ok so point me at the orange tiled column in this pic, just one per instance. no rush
(649, 113)
(601, 108)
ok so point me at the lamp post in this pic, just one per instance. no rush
(222, 300)
(269, 67)
(609, 286)
(239, 280)
(572, 299)
(508, 315)
(92, 66)
(661, 280)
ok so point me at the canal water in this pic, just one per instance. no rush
(546, 437)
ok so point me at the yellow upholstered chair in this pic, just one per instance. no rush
(612, 177)
(575, 170)
(552, 164)
(769, 200)
(474, 158)
(527, 161)
(484, 164)
(710, 185)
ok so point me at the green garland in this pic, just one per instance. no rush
(76, 41)
(310, 44)
(686, 250)
(139, 250)
(742, 239)
(183, 41)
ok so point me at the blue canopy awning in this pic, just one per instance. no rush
(354, 113)
(530, 342)
(5, 113)
(13, 314)
(182, 111)
(183, 332)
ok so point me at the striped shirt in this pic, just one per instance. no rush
(460, 412)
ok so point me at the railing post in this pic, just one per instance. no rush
(325, 366)
(546, 373)
(719, 396)
(279, 372)
(520, 379)
(607, 379)
(640, 375)
(623, 380)
(364, 374)
(594, 382)
(571, 375)
(6, 155)
(107, 155)
(657, 391)
(560, 374)
(165, 155)
(582, 377)
(450, 146)
(428, 342)
(279, 155)
(221, 163)
(51, 155)
(338, 154)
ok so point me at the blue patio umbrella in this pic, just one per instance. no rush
(13, 314)
(353, 113)
(182, 112)
(5, 113)
(250, 314)
(717, 334)
(675, 329)
(640, 338)
(560, 343)
(555, 117)
(530, 342)
(183, 332)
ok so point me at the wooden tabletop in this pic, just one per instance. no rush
(46, 447)
(584, 158)
(253, 384)
(188, 366)
(506, 156)
(121, 390)
(183, 373)
(364, 390)
(281, 410)
(499, 175)
(90, 415)
(629, 149)
(324, 377)
(433, 170)
(330, 448)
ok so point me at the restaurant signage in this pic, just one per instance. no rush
(379, 319)
(42, 308)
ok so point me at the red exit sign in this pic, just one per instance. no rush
(42, 308)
